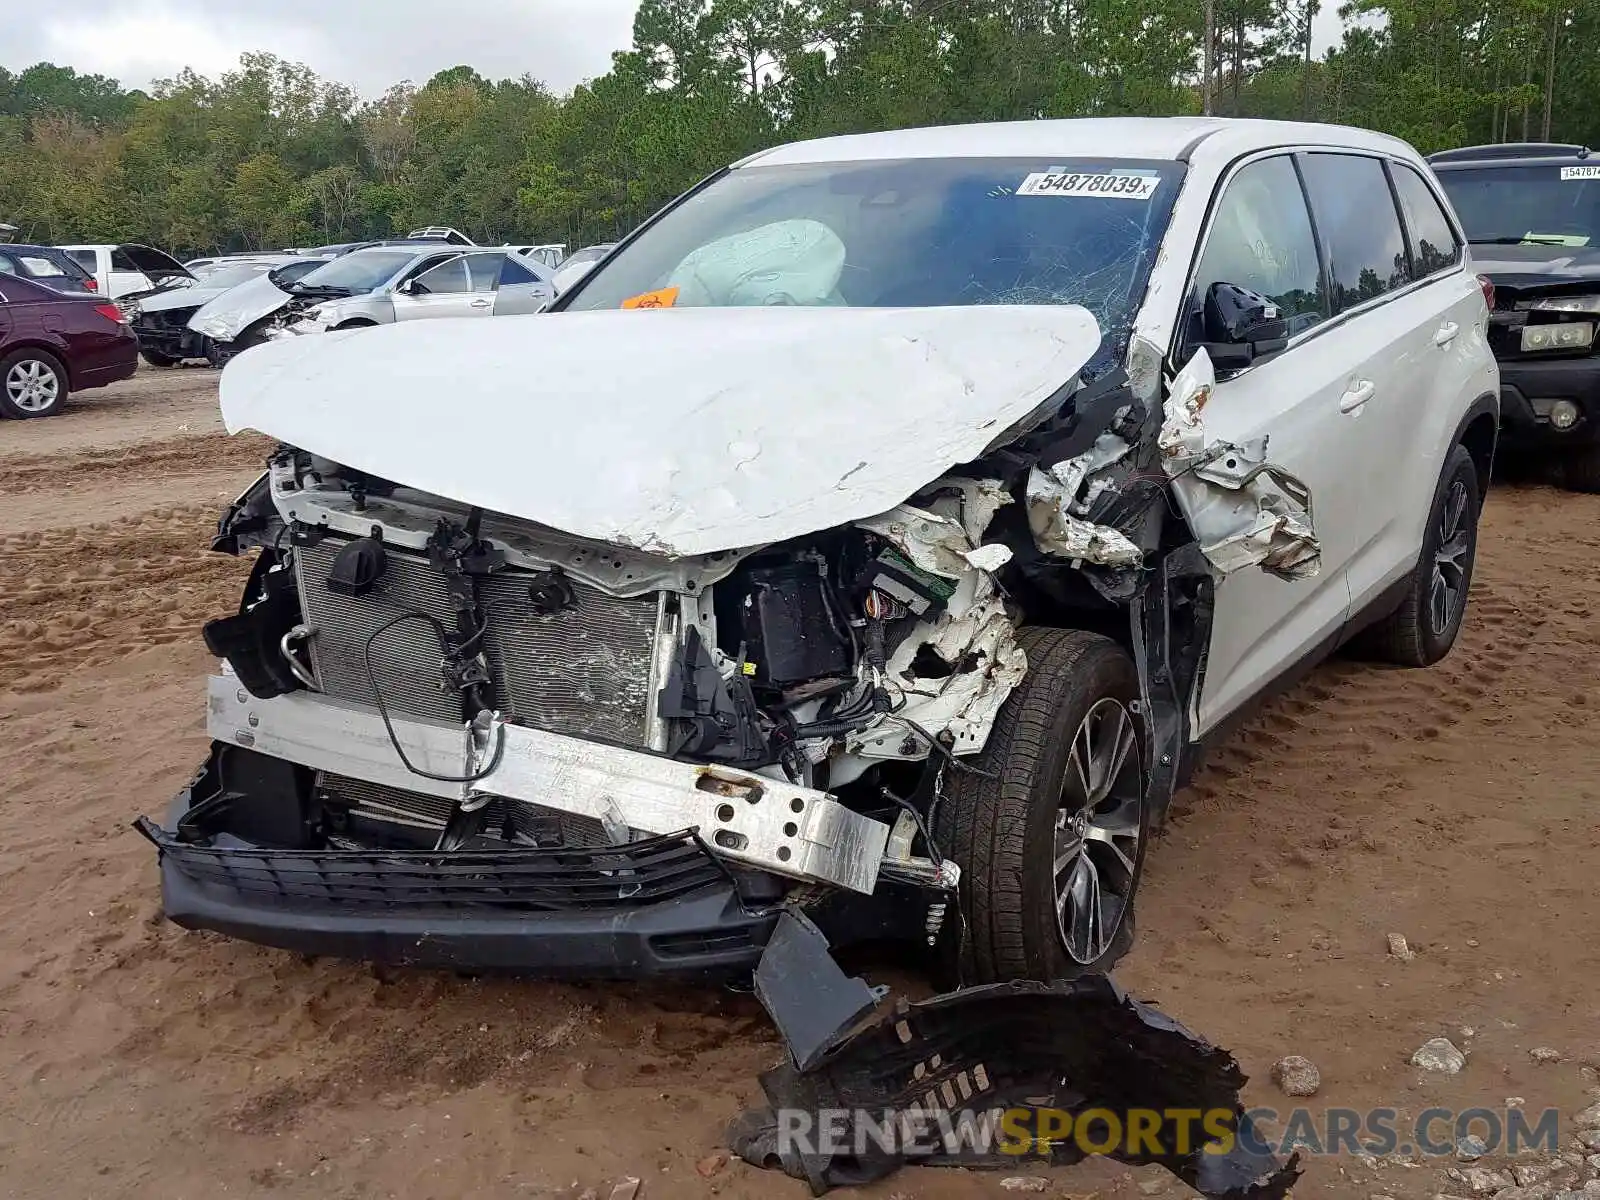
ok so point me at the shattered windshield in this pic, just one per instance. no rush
(1545, 205)
(904, 233)
(358, 271)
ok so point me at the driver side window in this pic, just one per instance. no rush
(1261, 238)
(445, 279)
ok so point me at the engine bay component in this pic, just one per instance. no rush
(357, 567)
(790, 625)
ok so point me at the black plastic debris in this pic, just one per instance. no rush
(990, 1077)
(805, 992)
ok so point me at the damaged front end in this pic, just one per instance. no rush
(445, 735)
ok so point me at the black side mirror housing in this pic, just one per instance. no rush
(1241, 326)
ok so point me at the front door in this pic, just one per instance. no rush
(1262, 239)
(441, 291)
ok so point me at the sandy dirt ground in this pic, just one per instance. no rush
(1456, 806)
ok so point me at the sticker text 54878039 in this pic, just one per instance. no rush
(1108, 186)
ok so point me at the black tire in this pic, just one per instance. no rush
(1002, 831)
(156, 359)
(26, 404)
(1579, 470)
(1412, 635)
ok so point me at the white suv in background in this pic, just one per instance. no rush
(962, 485)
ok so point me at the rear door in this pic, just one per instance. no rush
(1452, 337)
(520, 290)
(444, 290)
(484, 271)
(1406, 329)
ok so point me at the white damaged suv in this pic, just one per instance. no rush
(891, 523)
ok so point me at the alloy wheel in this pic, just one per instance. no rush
(1097, 830)
(32, 386)
(1447, 590)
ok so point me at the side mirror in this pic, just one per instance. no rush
(1241, 326)
(411, 287)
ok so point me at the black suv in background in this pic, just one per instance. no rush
(47, 266)
(1532, 216)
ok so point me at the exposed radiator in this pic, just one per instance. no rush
(584, 671)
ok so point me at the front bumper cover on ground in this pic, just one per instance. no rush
(1019, 1058)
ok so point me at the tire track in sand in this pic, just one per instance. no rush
(88, 594)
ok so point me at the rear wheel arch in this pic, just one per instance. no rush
(1479, 431)
(52, 351)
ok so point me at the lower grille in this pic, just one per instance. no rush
(584, 671)
(376, 802)
(529, 880)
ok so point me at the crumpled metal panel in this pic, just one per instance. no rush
(1244, 510)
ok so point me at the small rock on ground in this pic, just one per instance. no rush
(1470, 1147)
(1400, 948)
(1025, 1183)
(1296, 1076)
(1545, 1054)
(1481, 1179)
(1439, 1054)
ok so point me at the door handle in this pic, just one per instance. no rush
(1358, 395)
(1447, 333)
(482, 303)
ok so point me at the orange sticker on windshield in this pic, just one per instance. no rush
(661, 298)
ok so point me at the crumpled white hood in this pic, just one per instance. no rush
(226, 316)
(680, 431)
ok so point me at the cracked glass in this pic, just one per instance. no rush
(908, 233)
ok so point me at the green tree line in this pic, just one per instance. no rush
(272, 155)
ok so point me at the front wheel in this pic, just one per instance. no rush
(157, 359)
(1051, 847)
(32, 384)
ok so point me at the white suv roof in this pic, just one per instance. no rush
(1171, 138)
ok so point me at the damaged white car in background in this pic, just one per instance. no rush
(886, 579)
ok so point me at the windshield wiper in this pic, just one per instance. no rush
(1520, 240)
(316, 289)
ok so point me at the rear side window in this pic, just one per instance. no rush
(7, 266)
(1360, 227)
(41, 268)
(1261, 239)
(514, 272)
(85, 259)
(1433, 241)
(120, 261)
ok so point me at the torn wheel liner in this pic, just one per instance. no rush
(997, 1065)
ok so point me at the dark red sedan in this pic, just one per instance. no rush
(52, 344)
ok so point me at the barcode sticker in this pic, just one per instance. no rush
(1123, 185)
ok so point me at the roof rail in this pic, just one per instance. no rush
(1511, 150)
(443, 232)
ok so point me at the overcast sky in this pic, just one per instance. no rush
(368, 44)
